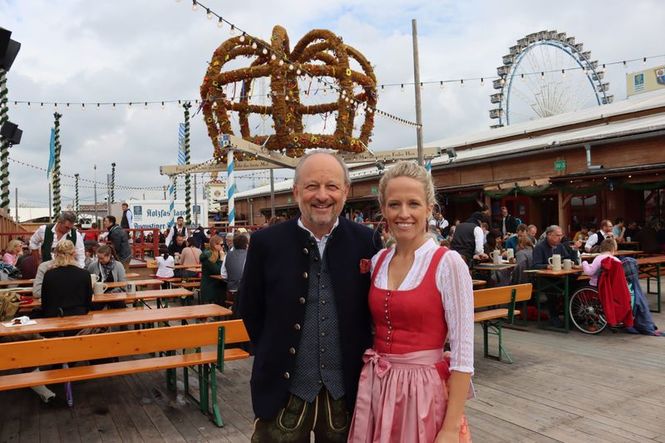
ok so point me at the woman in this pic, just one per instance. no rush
(107, 268)
(212, 290)
(523, 260)
(13, 252)
(421, 295)
(190, 256)
(66, 289)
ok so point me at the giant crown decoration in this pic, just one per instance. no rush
(321, 55)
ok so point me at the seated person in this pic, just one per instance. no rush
(13, 252)
(608, 248)
(523, 260)
(66, 289)
(550, 246)
(511, 242)
(189, 256)
(165, 263)
(176, 247)
(582, 234)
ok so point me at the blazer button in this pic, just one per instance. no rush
(305, 275)
(302, 300)
(305, 251)
(287, 375)
(296, 326)
(292, 351)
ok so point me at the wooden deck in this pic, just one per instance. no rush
(561, 388)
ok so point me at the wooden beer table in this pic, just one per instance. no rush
(115, 317)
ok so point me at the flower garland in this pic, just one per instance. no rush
(320, 53)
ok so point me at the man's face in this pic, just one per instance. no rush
(607, 228)
(533, 231)
(320, 192)
(180, 240)
(125, 207)
(180, 222)
(64, 227)
(107, 224)
(554, 237)
(504, 211)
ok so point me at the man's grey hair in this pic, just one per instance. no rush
(67, 216)
(551, 229)
(340, 160)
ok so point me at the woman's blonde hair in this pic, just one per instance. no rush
(411, 170)
(214, 253)
(13, 244)
(64, 254)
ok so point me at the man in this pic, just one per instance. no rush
(127, 221)
(228, 242)
(508, 224)
(178, 245)
(48, 236)
(469, 238)
(120, 241)
(178, 229)
(532, 231)
(511, 243)
(594, 241)
(303, 299)
(439, 224)
(552, 245)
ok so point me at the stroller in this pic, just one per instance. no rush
(586, 310)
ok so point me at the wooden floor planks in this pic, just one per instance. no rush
(561, 388)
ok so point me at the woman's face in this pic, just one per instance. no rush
(218, 246)
(18, 249)
(103, 258)
(406, 209)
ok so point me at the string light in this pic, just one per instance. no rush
(264, 50)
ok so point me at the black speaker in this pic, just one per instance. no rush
(8, 49)
(11, 132)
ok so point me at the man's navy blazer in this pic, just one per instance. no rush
(272, 297)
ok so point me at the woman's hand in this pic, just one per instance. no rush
(447, 436)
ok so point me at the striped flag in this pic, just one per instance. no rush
(51, 156)
(181, 144)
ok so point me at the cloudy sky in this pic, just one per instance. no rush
(129, 50)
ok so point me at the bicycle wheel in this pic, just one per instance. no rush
(586, 312)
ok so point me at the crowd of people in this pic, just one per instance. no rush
(358, 334)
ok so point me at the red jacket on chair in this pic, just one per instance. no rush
(614, 294)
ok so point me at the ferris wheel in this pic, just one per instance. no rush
(546, 73)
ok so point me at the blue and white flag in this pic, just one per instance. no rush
(428, 166)
(51, 156)
(181, 144)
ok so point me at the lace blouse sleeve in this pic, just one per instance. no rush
(454, 282)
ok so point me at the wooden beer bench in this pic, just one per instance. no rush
(492, 317)
(161, 341)
(139, 296)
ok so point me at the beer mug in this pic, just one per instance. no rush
(567, 265)
(510, 253)
(555, 262)
(131, 288)
(93, 279)
(496, 256)
(100, 288)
